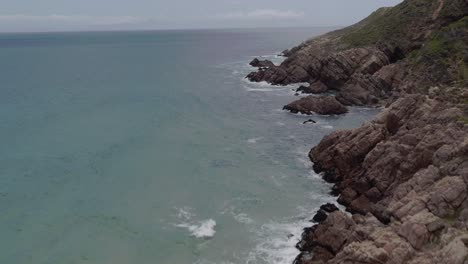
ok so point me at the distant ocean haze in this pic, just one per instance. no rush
(150, 147)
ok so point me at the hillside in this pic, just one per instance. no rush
(411, 47)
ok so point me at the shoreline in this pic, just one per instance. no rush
(403, 176)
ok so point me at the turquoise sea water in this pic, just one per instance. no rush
(149, 147)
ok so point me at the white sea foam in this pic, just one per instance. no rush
(204, 229)
(184, 213)
(264, 86)
(302, 156)
(254, 140)
(243, 218)
(277, 243)
(200, 229)
(314, 176)
(280, 123)
(259, 89)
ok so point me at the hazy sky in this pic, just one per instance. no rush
(45, 15)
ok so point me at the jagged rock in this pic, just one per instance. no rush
(324, 105)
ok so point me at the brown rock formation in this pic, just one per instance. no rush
(323, 105)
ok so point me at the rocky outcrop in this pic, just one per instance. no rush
(360, 76)
(323, 105)
(404, 176)
(261, 63)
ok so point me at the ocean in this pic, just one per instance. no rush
(151, 147)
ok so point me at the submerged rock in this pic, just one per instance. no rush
(309, 121)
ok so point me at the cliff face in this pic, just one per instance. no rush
(404, 176)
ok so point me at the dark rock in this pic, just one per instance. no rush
(361, 205)
(374, 195)
(324, 105)
(329, 208)
(321, 254)
(347, 196)
(333, 232)
(309, 121)
(306, 244)
(393, 123)
(320, 216)
(381, 213)
(261, 63)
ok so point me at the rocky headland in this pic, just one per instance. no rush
(402, 177)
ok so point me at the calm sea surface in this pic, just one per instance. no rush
(149, 147)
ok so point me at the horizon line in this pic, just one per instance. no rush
(165, 29)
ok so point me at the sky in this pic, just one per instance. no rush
(72, 15)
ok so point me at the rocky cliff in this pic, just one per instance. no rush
(405, 49)
(403, 177)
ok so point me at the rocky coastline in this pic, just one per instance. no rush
(403, 177)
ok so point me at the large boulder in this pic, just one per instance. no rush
(261, 63)
(324, 105)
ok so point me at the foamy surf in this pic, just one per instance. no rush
(199, 229)
(243, 218)
(264, 86)
(277, 243)
(254, 140)
(204, 229)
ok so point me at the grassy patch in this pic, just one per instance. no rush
(463, 119)
(390, 24)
